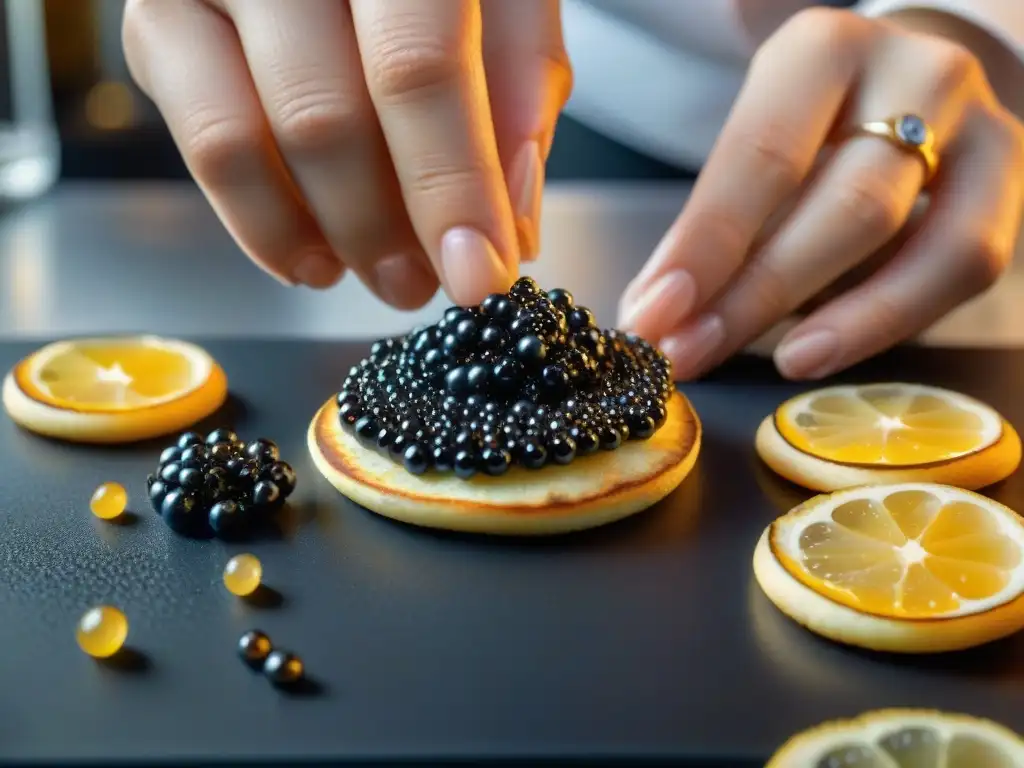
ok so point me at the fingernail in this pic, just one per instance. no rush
(808, 356)
(401, 280)
(529, 250)
(526, 189)
(689, 349)
(664, 304)
(472, 268)
(318, 269)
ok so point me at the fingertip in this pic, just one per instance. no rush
(471, 267)
(318, 269)
(405, 280)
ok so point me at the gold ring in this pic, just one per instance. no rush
(911, 133)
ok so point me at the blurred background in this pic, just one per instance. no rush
(108, 130)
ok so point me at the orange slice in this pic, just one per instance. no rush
(914, 567)
(843, 436)
(113, 389)
(903, 738)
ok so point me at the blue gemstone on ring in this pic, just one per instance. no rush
(911, 129)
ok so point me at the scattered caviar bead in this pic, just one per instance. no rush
(283, 668)
(254, 647)
(242, 575)
(109, 500)
(101, 632)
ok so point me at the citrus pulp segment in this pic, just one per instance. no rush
(113, 389)
(903, 738)
(848, 435)
(913, 567)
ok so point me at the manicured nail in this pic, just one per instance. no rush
(809, 355)
(664, 304)
(472, 268)
(691, 348)
(400, 279)
(319, 269)
(526, 189)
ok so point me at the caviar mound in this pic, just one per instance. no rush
(592, 491)
(219, 486)
(526, 378)
(110, 390)
(519, 415)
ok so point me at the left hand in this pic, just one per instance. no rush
(782, 211)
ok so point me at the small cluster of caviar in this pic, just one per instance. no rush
(525, 378)
(219, 486)
(282, 668)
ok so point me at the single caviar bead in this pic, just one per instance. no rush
(242, 575)
(101, 632)
(108, 501)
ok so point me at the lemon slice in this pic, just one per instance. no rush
(843, 436)
(113, 389)
(903, 738)
(914, 567)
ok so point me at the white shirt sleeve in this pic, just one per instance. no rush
(1002, 19)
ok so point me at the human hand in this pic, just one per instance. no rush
(782, 210)
(403, 141)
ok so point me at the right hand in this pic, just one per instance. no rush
(404, 140)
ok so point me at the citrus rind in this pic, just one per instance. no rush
(798, 595)
(973, 471)
(30, 407)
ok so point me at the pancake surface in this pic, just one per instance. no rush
(593, 490)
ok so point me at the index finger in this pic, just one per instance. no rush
(424, 68)
(793, 94)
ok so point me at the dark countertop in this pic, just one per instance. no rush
(644, 639)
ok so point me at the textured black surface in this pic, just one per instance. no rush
(646, 638)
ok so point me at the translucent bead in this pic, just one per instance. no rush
(101, 632)
(108, 501)
(242, 575)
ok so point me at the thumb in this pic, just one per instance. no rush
(529, 80)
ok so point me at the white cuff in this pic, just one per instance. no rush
(1002, 19)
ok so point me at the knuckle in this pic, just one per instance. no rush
(988, 259)
(460, 183)
(871, 205)
(217, 147)
(829, 29)
(774, 156)
(401, 69)
(952, 66)
(767, 288)
(316, 118)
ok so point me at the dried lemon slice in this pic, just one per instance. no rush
(113, 389)
(842, 436)
(914, 567)
(901, 738)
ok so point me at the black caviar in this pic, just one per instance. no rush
(219, 485)
(525, 378)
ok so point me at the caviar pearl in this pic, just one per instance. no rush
(101, 632)
(283, 668)
(242, 575)
(254, 647)
(108, 501)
